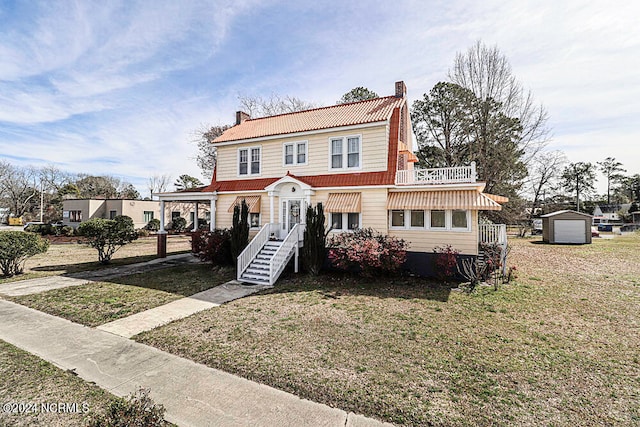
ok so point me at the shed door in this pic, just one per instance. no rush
(569, 231)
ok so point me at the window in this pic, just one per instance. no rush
(341, 221)
(345, 153)
(295, 153)
(249, 161)
(112, 214)
(397, 218)
(254, 220)
(174, 215)
(75, 216)
(459, 219)
(417, 219)
(438, 219)
(192, 217)
(336, 221)
(336, 153)
(148, 216)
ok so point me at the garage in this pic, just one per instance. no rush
(566, 227)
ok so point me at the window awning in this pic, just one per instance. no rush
(496, 198)
(343, 202)
(456, 199)
(252, 201)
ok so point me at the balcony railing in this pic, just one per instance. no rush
(452, 175)
(493, 234)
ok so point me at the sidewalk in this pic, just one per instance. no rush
(193, 394)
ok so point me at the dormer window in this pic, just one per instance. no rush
(345, 153)
(249, 161)
(295, 153)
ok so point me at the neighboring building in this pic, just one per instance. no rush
(357, 159)
(4, 215)
(75, 211)
(610, 213)
(566, 227)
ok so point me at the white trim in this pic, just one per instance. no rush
(305, 133)
(249, 161)
(186, 197)
(295, 153)
(287, 180)
(345, 153)
(438, 187)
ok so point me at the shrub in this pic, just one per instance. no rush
(314, 250)
(212, 246)
(179, 224)
(66, 230)
(108, 235)
(446, 262)
(16, 247)
(142, 232)
(153, 225)
(240, 229)
(367, 252)
(138, 410)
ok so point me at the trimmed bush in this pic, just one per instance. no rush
(108, 235)
(153, 225)
(367, 252)
(16, 247)
(212, 246)
(138, 410)
(179, 224)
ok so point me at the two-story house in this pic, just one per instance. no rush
(357, 160)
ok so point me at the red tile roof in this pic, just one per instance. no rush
(355, 113)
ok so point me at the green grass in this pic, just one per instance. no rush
(97, 303)
(27, 378)
(558, 347)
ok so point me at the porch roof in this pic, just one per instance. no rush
(343, 202)
(457, 199)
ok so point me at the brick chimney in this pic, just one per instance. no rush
(401, 89)
(241, 116)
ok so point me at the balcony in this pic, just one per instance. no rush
(452, 175)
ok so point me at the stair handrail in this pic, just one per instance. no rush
(252, 249)
(283, 254)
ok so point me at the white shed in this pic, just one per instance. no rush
(566, 227)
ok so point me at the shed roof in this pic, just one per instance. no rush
(564, 212)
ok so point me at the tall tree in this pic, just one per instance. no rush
(97, 187)
(545, 170)
(206, 156)
(579, 178)
(128, 191)
(487, 73)
(19, 189)
(441, 121)
(158, 184)
(187, 182)
(612, 171)
(357, 94)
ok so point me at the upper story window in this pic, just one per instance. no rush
(345, 152)
(295, 153)
(249, 161)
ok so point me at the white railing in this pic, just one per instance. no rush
(493, 233)
(252, 249)
(452, 175)
(290, 244)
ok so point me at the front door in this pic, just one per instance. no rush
(294, 212)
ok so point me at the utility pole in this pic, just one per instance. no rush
(41, 200)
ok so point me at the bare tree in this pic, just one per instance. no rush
(19, 188)
(257, 106)
(487, 73)
(203, 138)
(158, 184)
(545, 170)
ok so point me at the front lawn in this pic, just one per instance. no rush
(73, 257)
(558, 347)
(28, 379)
(97, 303)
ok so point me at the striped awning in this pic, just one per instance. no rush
(496, 198)
(455, 199)
(252, 201)
(411, 158)
(343, 202)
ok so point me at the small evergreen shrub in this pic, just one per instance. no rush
(153, 225)
(212, 246)
(446, 262)
(108, 235)
(16, 247)
(314, 251)
(367, 252)
(240, 230)
(142, 232)
(138, 410)
(179, 224)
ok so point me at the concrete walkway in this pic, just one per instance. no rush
(179, 309)
(43, 284)
(193, 394)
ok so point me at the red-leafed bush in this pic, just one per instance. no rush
(367, 252)
(212, 246)
(446, 261)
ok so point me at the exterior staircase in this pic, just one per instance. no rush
(258, 270)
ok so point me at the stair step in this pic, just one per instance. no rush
(272, 244)
(258, 271)
(264, 278)
(264, 257)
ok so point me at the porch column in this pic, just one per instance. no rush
(162, 230)
(271, 207)
(195, 218)
(162, 234)
(212, 222)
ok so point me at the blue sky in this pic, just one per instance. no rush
(119, 88)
